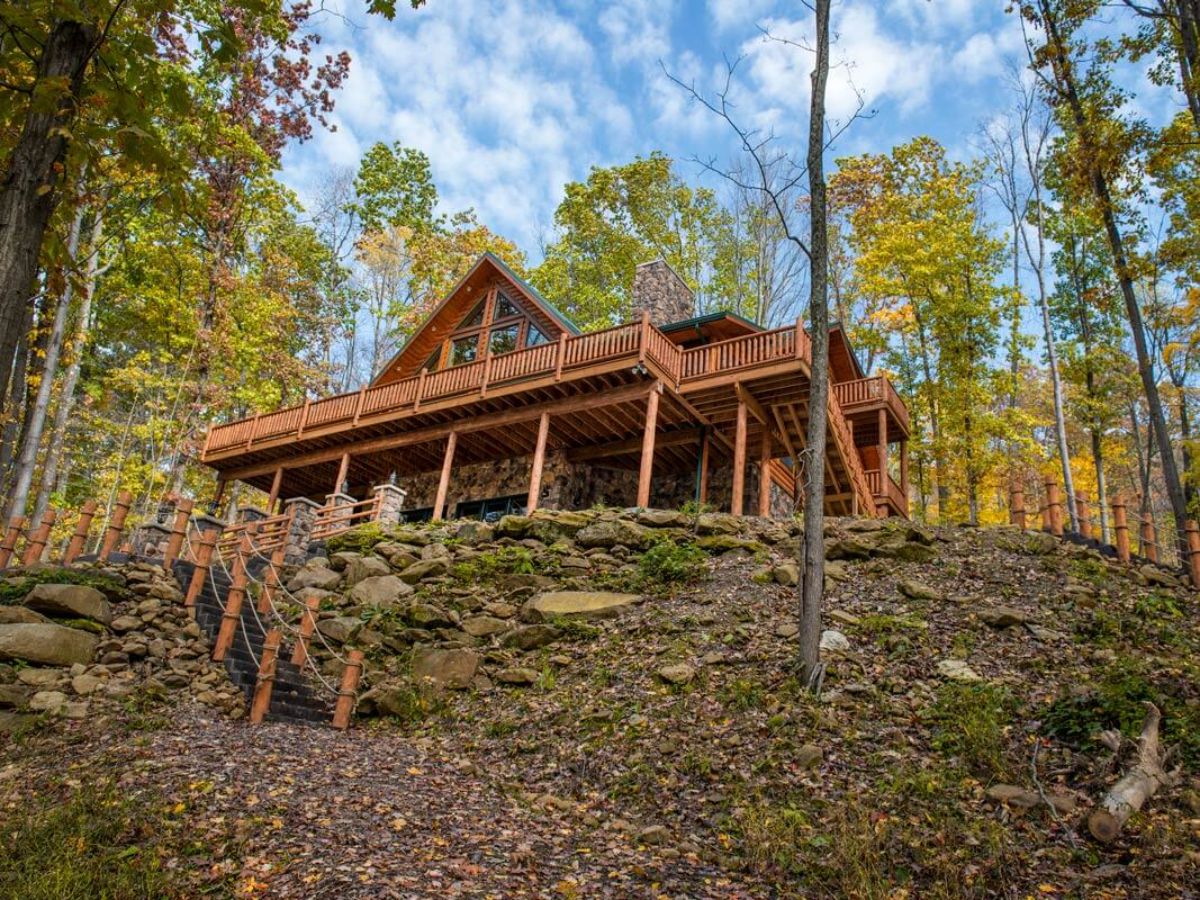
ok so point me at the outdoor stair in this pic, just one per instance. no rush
(293, 698)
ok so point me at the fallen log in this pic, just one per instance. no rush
(1137, 786)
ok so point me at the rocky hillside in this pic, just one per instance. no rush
(603, 704)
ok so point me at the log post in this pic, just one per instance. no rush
(266, 677)
(1121, 528)
(116, 525)
(764, 475)
(233, 601)
(308, 624)
(539, 460)
(1193, 549)
(1045, 507)
(343, 471)
(208, 542)
(1084, 515)
(1016, 507)
(16, 525)
(35, 545)
(739, 460)
(1054, 501)
(443, 488)
(183, 515)
(649, 430)
(1149, 540)
(80, 536)
(348, 691)
(273, 497)
(271, 580)
(1137, 786)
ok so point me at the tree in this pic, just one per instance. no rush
(394, 187)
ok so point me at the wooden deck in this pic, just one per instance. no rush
(596, 386)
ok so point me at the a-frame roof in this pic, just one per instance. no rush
(488, 271)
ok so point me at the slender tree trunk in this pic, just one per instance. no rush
(1101, 482)
(939, 465)
(812, 584)
(16, 391)
(66, 395)
(28, 190)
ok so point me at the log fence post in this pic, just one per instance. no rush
(1193, 549)
(271, 580)
(1016, 507)
(80, 535)
(348, 690)
(15, 526)
(202, 563)
(1121, 528)
(1149, 540)
(1054, 507)
(233, 601)
(308, 624)
(266, 677)
(35, 545)
(116, 524)
(1083, 515)
(183, 514)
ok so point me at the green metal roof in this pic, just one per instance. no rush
(705, 319)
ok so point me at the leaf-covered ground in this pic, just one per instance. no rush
(603, 779)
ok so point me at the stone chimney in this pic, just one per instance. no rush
(659, 290)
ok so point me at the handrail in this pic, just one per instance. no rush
(874, 389)
(335, 518)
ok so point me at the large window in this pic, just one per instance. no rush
(510, 329)
(505, 308)
(504, 340)
(534, 336)
(464, 350)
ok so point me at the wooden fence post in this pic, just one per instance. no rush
(1193, 547)
(183, 514)
(1149, 540)
(266, 677)
(80, 536)
(15, 526)
(1054, 507)
(203, 561)
(116, 524)
(1016, 507)
(271, 580)
(1083, 514)
(1121, 528)
(36, 543)
(233, 601)
(348, 690)
(308, 624)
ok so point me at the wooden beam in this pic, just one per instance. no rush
(739, 461)
(648, 432)
(500, 419)
(882, 451)
(784, 436)
(444, 482)
(539, 459)
(343, 471)
(756, 408)
(764, 475)
(705, 443)
(622, 448)
(273, 498)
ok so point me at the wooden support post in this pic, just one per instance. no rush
(35, 546)
(15, 526)
(646, 471)
(271, 580)
(1193, 548)
(116, 525)
(273, 497)
(1016, 507)
(208, 542)
(764, 475)
(79, 538)
(343, 471)
(183, 515)
(881, 451)
(1121, 528)
(1083, 516)
(904, 473)
(232, 616)
(443, 488)
(539, 459)
(1149, 540)
(1054, 508)
(218, 496)
(308, 624)
(266, 677)
(705, 444)
(739, 460)
(348, 691)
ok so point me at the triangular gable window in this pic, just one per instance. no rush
(505, 308)
(475, 319)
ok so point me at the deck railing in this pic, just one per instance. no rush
(266, 535)
(334, 518)
(889, 490)
(869, 391)
(743, 352)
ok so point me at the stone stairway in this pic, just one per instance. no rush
(293, 698)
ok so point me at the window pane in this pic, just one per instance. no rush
(535, 337)
(475, 318)
(463, 350)
(432, 362)
(505, 308)
(503, 340)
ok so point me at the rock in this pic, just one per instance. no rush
(40, 677)
(840, 615)
(501, 610)
(614, 532)
(19, 615)
(847, 548)
(809, 756)
(315, 576)
(530, 637)
(365, 567)
(918, 590)
(1002, 616)
(717, 523)
(1046, 635)
(483, 626)
(833, 641)
(47, 701)
(452, 669)
(957, 670)
(663, 518)
(787, 630)
(339, 629)
(653, 835)
(516, 675)
(86, 684)
(786, 574)
(379, 591)
(1157, 577)
(585, 604)
(73, 601)
(836, 571)
(427, 616)
(518, 580)
(14, 696)
(48, 644)
(425, 568)
(680, 673)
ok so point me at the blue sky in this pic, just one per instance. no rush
(511, 99)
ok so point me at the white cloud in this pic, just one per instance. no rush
(728, 14)
(637, 30)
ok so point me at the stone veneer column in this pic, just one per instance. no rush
(659, 290)
(149, 540)
(251, 514)
(391, 501)
(339, 499)
(304, 512)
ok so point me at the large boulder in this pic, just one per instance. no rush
(16, 615)
(613, 532)
(718, 523)
(47, 644)
(426, 568)
(452, 669)
(73, 601)
(339, 629)
(381, 591)
(365, 567)
(315, 576)
(583, 604)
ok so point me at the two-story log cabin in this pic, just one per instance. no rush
(498, 403)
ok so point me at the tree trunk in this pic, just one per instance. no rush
(812, 583)
(16, 391)
(28, 194)
(1101, 483)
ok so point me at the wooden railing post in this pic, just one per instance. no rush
(233, 601)
(36, 544)
(1121, 528)
(308, 624)
(420, 390)
(15, 526)
(1193, 549)
(643, 336)
(1054, 508)
(79, 537)
(800, 337)
(116, 525)
(208, 542)
(271, 580)
(561, 356)
(266, 677)
(348, 690)
(183, 515)
(1083, 514)
(1016, 507)
(1149, 540)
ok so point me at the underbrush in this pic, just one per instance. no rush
(357, 540)
(969, 723)
(506, 561)
(668, 564)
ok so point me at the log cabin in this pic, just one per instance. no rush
(497, 403)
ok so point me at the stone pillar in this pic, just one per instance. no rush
(391, 501)
(149, 540)
(252, 514)
(303, 512)
(661, 292)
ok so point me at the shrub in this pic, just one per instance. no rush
(669, 563)
(506, 561)
(358, 540)
(969, 722)
(13, 590)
